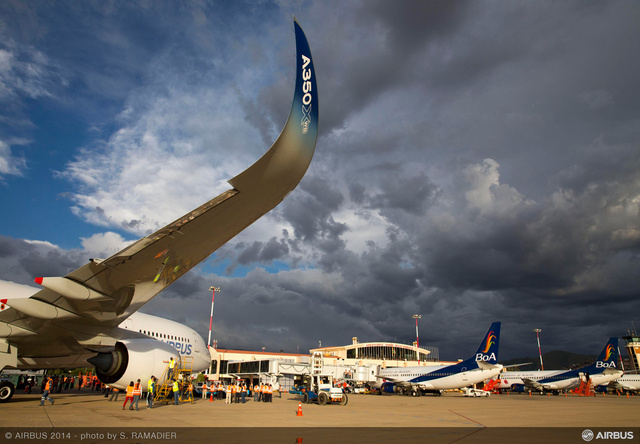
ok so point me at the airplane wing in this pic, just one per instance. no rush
(399, 382)
(87, 304)
(529, 383)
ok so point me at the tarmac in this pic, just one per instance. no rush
(90, 417)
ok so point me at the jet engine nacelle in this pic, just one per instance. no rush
(132, 360)
(389, 387)
(519, 388)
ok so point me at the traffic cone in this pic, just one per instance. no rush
(211, 399)
(299, 410)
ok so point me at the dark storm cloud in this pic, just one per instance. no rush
(22, 261)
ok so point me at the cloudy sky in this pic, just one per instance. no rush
(477, 162)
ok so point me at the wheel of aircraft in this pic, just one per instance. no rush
(323, 398)
(7, 389)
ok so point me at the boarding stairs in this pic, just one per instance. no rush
(585, 389)
(182, 373)
(492, 386)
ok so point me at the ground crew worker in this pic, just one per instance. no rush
(47, 389)
(236, 393)
(256, 393)
(228, 399)
(190, 391)
(270, 392)
(137, 393)
(151, 389)
(114, 394)
(243, 391)
(219, 390)
(172, 366)
(204, 389)
(129, 396)
(176, 392)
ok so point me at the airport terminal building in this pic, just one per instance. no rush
(357, 362)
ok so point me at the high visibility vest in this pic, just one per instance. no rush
(256, 389)
(190, 387)
(228, 389)
(137, 390)
(175, 386)
(47, 386)
(150, 385)
(129, 390)
(172, 364)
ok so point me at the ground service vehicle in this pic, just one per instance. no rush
(323, 392)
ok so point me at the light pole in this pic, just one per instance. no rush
(416, 317)
(537, 330)
(213, 298)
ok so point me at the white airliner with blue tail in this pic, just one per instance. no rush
(418, 380)
(602, 371)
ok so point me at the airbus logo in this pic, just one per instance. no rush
(307, 97)
(589, 435)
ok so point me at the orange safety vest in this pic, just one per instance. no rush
(137, 390)
(47, 386)
(130, 391)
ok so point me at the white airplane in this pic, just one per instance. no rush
(481, 366)
(602, 371)
(90, 314)
(629, 382)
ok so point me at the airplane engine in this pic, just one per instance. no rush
(390, 387)
(132, 360)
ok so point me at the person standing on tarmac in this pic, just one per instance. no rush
(151, 389)
(204, 389)
(114, 395)
(256, 392)
(137, 393)
(46, 390)
(228, 398)
(129, 396)
(243, 392)
(176, 392)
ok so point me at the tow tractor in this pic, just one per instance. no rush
(322, 391)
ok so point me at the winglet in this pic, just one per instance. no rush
(284, 165)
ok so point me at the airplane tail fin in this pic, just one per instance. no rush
(488, 350)
(608, 357)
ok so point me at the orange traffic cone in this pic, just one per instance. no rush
(299, 410)
(211, 399)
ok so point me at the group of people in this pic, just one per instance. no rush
(237, 392)
(134, 393)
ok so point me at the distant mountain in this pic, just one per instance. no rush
(553, 360)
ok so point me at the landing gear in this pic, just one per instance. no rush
(7, 389)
